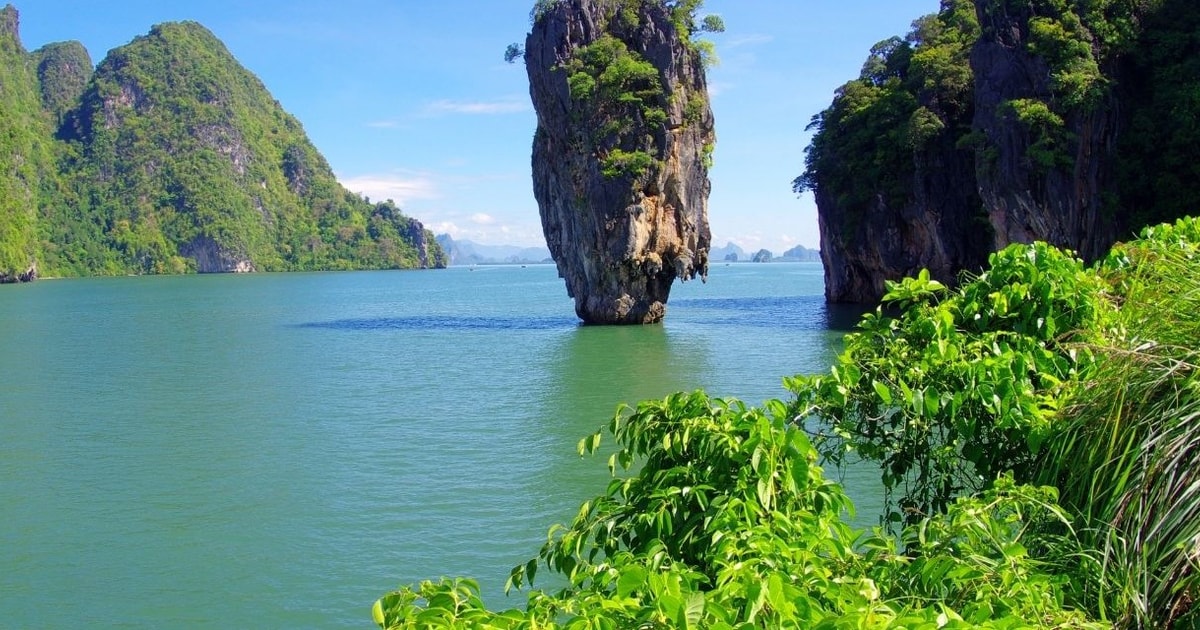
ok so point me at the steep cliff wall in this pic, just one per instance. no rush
(1050, 143)
(894, 184)
(621, 151)
(1068, 123)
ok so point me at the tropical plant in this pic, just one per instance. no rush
(958, 386)
(730, 523)
(1134, 426)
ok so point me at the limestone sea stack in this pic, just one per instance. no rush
(621, 152)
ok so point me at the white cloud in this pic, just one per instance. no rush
(383, 124)
(480, 218)
(447, 227)
(494, 233)
(399, 187)
(475, 108)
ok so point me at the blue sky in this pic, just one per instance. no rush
(412, 100)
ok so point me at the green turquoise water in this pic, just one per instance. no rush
(274, 450)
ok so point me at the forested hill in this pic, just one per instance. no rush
(1000, 121)
(25, 155)
(171, 157)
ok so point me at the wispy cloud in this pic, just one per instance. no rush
(399, 187)
(383, 124)
(480, 218)
(716, 88)
(493, 232)
(478, 108)
(751, 39)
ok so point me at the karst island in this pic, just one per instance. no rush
(622, 149)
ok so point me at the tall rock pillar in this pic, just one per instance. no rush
(621, 152)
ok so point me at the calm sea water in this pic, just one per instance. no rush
(281, 449)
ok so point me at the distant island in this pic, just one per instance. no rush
(465, 252)
(732, 252)
(462, 252)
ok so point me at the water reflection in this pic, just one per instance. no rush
(593, 370)
(444, 323)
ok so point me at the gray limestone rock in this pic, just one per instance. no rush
(620, 156)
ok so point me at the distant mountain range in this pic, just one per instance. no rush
(465, 252)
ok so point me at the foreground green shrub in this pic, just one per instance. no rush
(730, 523)
(1083, 381)
(960, 386)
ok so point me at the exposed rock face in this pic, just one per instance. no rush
(429, 252)
(1021, 133)
(29, 275)
(211, 257)
(940, 228)
(620, 164)
(1026, 200)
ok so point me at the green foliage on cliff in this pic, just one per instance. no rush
(1077, 41)
(1132, 61)
(1158, 173)
(63, 71)
(26, 159)
(622, 93)
(171, 157)
(1037, 494)
(618, 92)
(178, 148)
(910, 91)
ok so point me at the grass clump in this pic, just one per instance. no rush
(1134, 426)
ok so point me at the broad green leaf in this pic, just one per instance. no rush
(883, 392)
(377, 613)
(632, 579)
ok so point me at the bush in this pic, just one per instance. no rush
(957, 387)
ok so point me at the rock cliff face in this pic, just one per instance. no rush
(1003, 121)
(1052, 192)
(940, 228)
(211, 257)
(621, 152)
